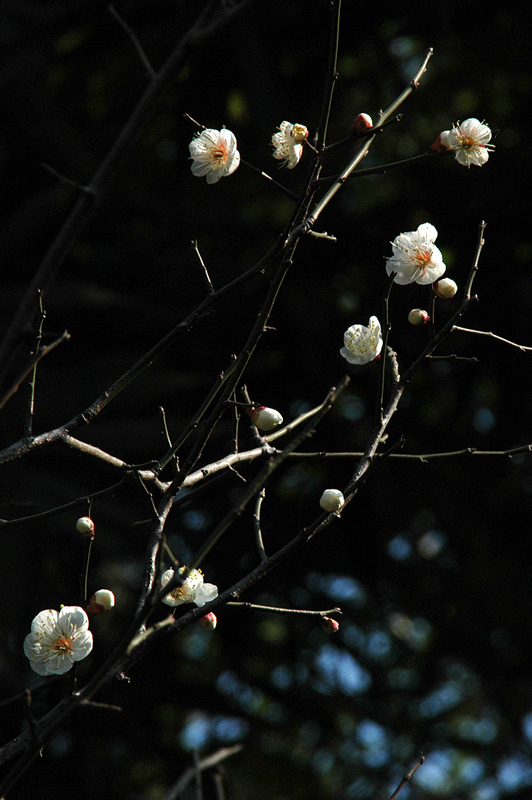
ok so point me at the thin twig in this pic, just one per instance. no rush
(256, 524)
(43, 351)
(331, 74)
(205, 763)
(263, 174)
(521, 347)
(407, 777)
(474, 267)
(210, 287)
(285, 611)
(134, 41)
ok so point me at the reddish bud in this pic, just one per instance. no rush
(330, 625)
(361, 123)
(264, 418)
(102, 600)
(208, 622)
(438, 145)
(85, 525)
(418, 317)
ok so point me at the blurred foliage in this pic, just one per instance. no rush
(431, 564)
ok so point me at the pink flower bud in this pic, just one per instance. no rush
(418, 317)
(445, 288)
(85, 525)
(101, 601)
(208, 622)
(439, 145)
(330, 625)
(264, 418)
(361, 123)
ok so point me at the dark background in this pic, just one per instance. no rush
(431, 563)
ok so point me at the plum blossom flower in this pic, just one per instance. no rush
(214, 154)
(287, 143)
(57, 640)
(469, 140)
(416, 258)
(193, 590)
(362, 344)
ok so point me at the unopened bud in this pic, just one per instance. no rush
(445, 288)
(101, 601)
(439, 146)
(264, 418)
(418, 317)
(361, 123)
(330, 625)
(331, 500)
(299, 133)
(208, 622)
(85, 525)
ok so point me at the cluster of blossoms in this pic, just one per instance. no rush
(215, 155)
(288, 143)
(192, 590)
(416, 259)
(469, 141)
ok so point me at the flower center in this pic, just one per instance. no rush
(423, 257)
(468, 143)
(63, 645)
(219, 153)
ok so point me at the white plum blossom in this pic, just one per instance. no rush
(57, 640)
(470, 142)
(214, 154)
(193, 590)
(416, 259)
(287, 143)
(362, 344)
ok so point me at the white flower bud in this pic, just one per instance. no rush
(445, 288)
(264, 418)
(85, 525)
(331, 500)
(418, 317)
(299, 132)
(102, 600)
